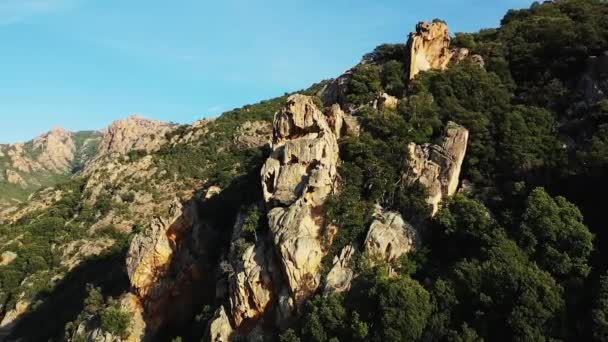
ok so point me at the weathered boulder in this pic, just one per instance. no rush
(389, 237)
(478, 60)
(94, 335)
(429, 47)
(297, 179)
(460, 54)
(437, 166)
(220, 329)
(212, 191)
(11, 317)
(385, 101)
(341, 275)
(7, 257)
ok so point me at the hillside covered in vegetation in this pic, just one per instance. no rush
(450, 188)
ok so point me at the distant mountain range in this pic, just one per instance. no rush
(54, 156)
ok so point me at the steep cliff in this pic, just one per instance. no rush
(272, 275)
(297, 179)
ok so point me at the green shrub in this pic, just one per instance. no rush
(115, 321)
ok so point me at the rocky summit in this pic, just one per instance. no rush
(448, 187)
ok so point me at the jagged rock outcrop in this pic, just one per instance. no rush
(150, 252)
(429, 47)
(437, 166)
(389, 236)
(26, 167)
(297, 179)
(335, 91)
(250, 282)
(52, 151)
(341, 123)
(251, 285)
(170, 262)
(134, 133)
(351, 126)
(220, 329)
(341, 275)
(57, 149)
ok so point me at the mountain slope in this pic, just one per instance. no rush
(447, 188)
(43, 161)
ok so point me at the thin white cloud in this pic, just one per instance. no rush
(16, 11)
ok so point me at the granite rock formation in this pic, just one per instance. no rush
(437, 166)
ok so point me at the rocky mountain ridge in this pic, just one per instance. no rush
(53, 156)
(271, 276)
(380, 205)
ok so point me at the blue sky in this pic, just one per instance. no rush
(81, 64)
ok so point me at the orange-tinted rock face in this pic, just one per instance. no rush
(164, 275)
(429, 47)
(297, 179)
(151, 252)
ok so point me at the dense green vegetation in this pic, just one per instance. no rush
(112, 319)
(520, 255)
(39, 239)
(514, 259)
(216, 158)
